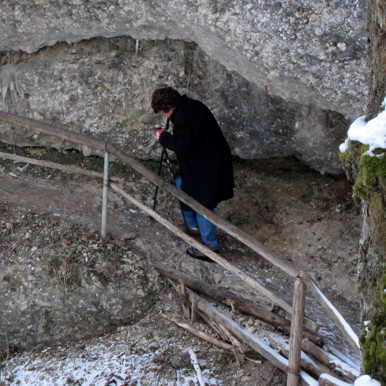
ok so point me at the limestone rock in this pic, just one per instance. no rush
(281, 77)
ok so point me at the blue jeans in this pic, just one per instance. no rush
(193, 219)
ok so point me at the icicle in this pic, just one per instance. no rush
(9, 81)
(136, 46)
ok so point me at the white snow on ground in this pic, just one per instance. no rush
(372, 133)
(98, 364)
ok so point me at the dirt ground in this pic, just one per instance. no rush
(301, 215)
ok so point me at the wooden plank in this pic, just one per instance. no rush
(331, 361)
(52, 165)
(296, 333)
(333, 313)
(223, 296)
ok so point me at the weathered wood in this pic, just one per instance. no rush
(208, 252)
(215, 326)
(329, 380)
(47, 128)
(53, 165)
(334, 314)
(196, 367)
(331, 361)
(343, 357)
(199, 334)
(105, 196)
(247, 337)
(296, 333)
(223, 296)
(238, 348)
(193, 310)
(306, 362)
(184, 301)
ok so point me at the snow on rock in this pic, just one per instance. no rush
(365, 380)
(372, 133)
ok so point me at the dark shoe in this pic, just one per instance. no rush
(196, 254)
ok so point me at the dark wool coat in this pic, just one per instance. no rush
(202, 152)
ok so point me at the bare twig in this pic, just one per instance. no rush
(196, 366)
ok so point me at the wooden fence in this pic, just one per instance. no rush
(302, 279)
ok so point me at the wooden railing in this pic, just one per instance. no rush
(302, 279)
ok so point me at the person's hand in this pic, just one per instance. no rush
(158, 133)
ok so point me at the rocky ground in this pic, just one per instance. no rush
(306, 217)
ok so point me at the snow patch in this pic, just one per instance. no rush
(372, 133)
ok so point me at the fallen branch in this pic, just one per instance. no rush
(331, 361)
(243, 305)
(196, 367)
(308, 364)
(238, 348)
(199, 334)
(250, 339)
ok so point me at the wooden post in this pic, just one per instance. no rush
(296, 333)
(105, 195)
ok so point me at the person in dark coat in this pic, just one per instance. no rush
(203, 155)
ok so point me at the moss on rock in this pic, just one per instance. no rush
(373, 336)
(368, 171)
(369, 176)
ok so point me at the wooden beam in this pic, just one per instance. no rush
(331, 361)
(47, 128)
(307, 363)
(52, 165)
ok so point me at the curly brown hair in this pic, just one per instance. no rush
(165, 98)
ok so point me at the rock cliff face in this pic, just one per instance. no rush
(283, 78)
